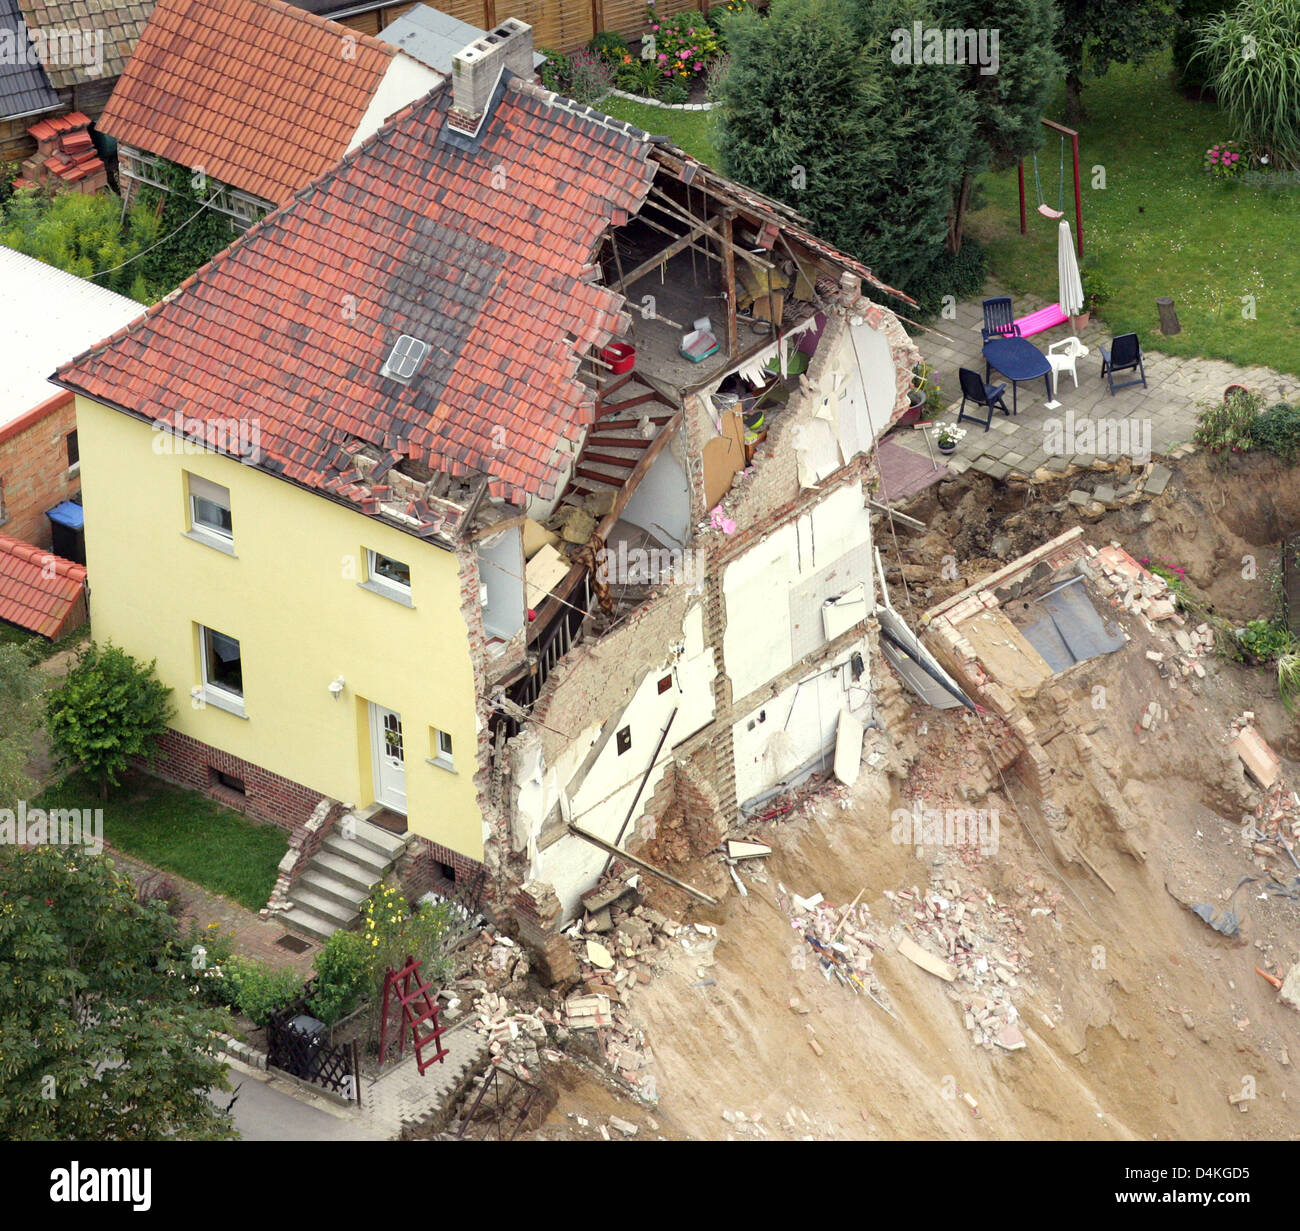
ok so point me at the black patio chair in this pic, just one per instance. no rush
(1123, 355)
(999, 319)
(975, 390)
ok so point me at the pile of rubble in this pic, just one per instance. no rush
(842, 940)
(517, 1037)
(619, 945)
(978, 950)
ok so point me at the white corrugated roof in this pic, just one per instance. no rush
(46, 318)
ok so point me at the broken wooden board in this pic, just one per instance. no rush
(747, 850)
(537, 536)
(848, 748)
(544, 572)
(925, 960)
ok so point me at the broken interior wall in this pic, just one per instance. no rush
(661, 503)
(630, 681)
(797, 725)
(501, 566)
(774, 593)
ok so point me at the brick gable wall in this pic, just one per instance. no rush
(34, 474)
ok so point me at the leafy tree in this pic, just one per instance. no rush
(1010, 102)
(79, 234)
(109, 709)
(1190, 15)
(21, 686)
(816, 113)
(101, 1035)
(1106, 32)
(1253, 55)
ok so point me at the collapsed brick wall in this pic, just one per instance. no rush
(690, 824)
(189, 762)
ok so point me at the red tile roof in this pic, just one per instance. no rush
(263, 96)
(37, 589)
(476, 247)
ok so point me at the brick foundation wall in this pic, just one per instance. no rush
(419, 873)
(189, 762)
(34, 473)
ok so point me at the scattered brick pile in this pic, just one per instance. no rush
(65, 157)
(980, 942)
(849, 932)
(618, 946)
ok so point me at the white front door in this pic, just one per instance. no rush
(389, 758)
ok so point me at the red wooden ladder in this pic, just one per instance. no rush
(405, 989)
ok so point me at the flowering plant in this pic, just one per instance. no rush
(950, 434)
(684, 45)
(1225, 161)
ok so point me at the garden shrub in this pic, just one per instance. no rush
(343, 977)
(1228, 426)
(1264, 640)
(960, 274)
(258, 990)
(554, 70)
(1277, 431)
(674, 93)
(609, 46)
(685, 45)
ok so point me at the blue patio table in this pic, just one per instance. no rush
(1017, 360)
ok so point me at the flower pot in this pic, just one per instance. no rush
(1231, 389)
(1080, 322)
(947, 448)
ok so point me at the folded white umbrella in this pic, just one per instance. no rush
(1067, 268)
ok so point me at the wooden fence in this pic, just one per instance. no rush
(562, 24)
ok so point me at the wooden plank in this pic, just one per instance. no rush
(659, 258)
(729, 280)
(497, 526)
(925, 960)
(605, 459)
(619, 442)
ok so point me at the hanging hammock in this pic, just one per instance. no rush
(1043, 208)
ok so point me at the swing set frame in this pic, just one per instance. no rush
(1078, 195)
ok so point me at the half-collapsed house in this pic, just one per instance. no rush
(505, 487)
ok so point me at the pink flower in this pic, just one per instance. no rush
(698, 66)
(663, 56)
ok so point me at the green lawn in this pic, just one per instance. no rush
(1160, 226)
(692, 130)
(182, 832)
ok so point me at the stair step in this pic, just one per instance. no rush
(346, 870)
(308, 923)
(318, 881)
(390, 845)
(357, 852)
(304, 899)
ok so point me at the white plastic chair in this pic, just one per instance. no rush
(1063, 356)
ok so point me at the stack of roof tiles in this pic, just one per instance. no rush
(39, 591)
(481, 249)
(65, 156)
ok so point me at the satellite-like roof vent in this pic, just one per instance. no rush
(407, 355)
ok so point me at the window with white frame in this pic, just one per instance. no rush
(387, 576)
(223, 671)
(210, 518)
(442, 754)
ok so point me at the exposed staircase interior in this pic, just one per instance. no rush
(328, 894)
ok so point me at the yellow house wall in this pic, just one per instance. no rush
(290, 596)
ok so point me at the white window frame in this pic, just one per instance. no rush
(218, 694)
(376, 583)
(442, 757)
(74, 468)
(198, 488)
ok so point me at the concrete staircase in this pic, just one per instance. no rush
(327, 895)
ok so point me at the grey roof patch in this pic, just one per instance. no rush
(434, 38)
(24, 87)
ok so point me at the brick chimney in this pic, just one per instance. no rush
(477, 69)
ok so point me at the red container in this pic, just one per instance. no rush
(620, 356)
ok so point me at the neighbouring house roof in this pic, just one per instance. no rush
(482, 249)
(119, 22)
(434, 38)
(37, 589)
(51, 315)
(24, 87)
(263, 96)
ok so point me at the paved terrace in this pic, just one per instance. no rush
(1170, 403)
